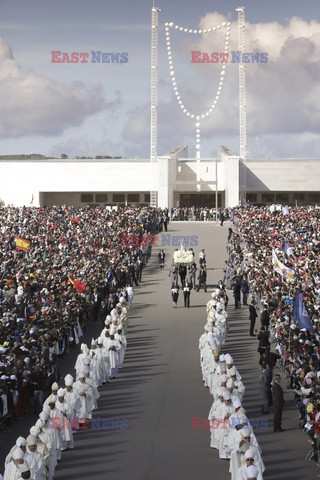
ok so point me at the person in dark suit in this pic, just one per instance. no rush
(186, 293)
(278, 403)
(237, 291)
(265, 317)
(252, 317)
(264, 344)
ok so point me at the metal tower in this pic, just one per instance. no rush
(242, 100)
(242, 84)
(154, 101)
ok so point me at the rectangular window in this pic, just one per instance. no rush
(87, 197)
(101, 197)
(251, 197)
(314, 197)
(118, 197)
(147, 197)
(267, 197)
(133, 197)
(299, 196)
(282, 197)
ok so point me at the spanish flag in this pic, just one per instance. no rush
(22, 244)
(80, 287)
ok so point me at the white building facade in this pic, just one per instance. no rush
(177, 179)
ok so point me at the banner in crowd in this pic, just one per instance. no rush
(80, 287)
(22, 244)
(282, 269)
(300, 313)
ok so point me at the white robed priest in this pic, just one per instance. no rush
(85, 393)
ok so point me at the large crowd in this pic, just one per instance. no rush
(79, 268)
(75, 268)
(287, 338)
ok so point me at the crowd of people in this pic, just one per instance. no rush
(74, 267)
(288, 306)
(198, 213)
(231, 432)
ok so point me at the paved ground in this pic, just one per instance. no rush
(160, 389)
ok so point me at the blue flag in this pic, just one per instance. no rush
(300, 314)
(287, 249)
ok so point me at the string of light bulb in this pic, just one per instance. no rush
(211, 109)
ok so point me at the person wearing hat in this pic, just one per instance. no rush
(237, 384)
(41, 446)
(223, 432)
(249, 470)
(237, 458)
(230, 365)
(72, 397)
(11, 471)
(102, 360)
(278, 403)
(53, 396)
(34, 459)
(215, 416)
(65, 417)
(52, 439)
(84, 390)
(90, 381)
(113, 346)
(20, 443)
(120, 336)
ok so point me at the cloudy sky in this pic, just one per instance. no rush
(104, 108)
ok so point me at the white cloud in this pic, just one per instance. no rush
(283, 95)
(32, 104)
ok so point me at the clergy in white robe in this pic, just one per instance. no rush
(230, 365)
(223, 434)
(120, 336)
(237, 384)
(237, 458)
(103, 361)
(11, 471)
(20, 443)
(41, 446)
(113, 346)
(54, 389)
(72, 397)
(249, 470)
(85, 393)
(49, 427)
(90, 381)
(215, 416)
(52, 443)
(66, 413)
(34, 459)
